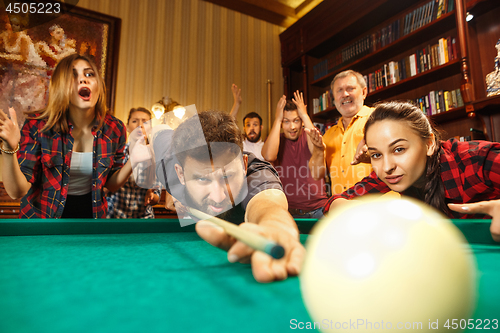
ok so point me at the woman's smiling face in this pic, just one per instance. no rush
(398, 155)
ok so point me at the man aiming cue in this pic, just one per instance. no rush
(202, 165)
(252, 239)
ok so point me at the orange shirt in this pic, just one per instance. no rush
(340, 149)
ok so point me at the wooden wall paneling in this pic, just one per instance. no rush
(291, 45)
(495, 125)
(296, 83)
(460, 127)
(286, 80)
(490, 116)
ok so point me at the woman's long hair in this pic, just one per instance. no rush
(60, 88)
(417, 121)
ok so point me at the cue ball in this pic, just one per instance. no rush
(385, 263)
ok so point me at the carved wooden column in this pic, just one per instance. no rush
(466, 84)
(286, 80)
(304, 78)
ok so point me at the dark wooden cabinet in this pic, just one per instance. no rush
(9, 209)
(334, 25)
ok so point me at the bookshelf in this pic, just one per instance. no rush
(313, 53)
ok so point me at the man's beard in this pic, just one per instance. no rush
(256, 139)
(208, 202)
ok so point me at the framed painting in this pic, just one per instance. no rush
(31, 44)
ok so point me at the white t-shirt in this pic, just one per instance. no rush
(80, 174)
(254, 147)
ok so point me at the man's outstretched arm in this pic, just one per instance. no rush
(267, 214)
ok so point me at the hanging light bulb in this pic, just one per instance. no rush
(158, 109)
(179, 111)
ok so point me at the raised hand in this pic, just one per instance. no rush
(361, 155)
(236, 94)
(298, 100)
(9, 130)
(316, 138)
(280, 108)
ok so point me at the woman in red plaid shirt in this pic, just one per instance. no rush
(67, 152)
(458, 178)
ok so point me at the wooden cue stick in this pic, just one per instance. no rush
(252, 239)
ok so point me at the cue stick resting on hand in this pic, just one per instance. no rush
(254, 240)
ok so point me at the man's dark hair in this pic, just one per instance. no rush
(216, 126)
(290, 106)
(252, 115)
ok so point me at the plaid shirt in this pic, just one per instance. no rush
(45, 160)
(128, 201)
(470, 172)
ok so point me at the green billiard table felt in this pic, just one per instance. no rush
(135, 283)
(163, 282)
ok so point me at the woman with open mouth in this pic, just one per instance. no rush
(67, 152)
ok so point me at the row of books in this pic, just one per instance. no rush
(440, 101)
(426, 14)
(420, 61)
(384, 36)
(322, 68)
(434, 102)
(361, 47)
(372, 42)
(325, 101)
